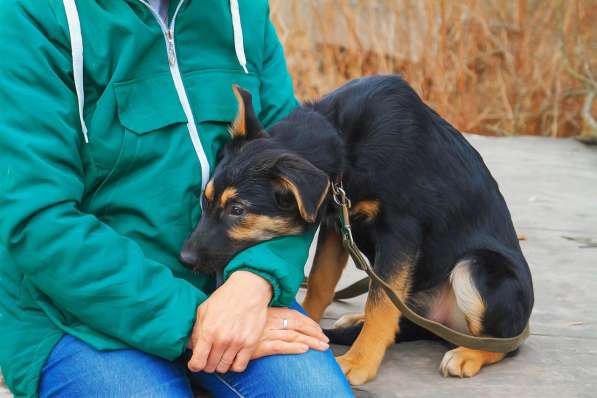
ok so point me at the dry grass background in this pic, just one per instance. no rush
(489, 66)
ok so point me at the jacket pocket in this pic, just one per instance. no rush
(210, 93)
(151, 125)
(148, 104)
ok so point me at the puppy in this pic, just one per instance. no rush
(425, 210)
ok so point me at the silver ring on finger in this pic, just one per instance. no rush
(284, 323)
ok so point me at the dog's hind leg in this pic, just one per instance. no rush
(486, 294)
(330, 260)
(462, 361)
(466, 362)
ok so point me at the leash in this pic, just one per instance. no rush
(356, 289)
(491, 344)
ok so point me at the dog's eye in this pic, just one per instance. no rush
(236, 210)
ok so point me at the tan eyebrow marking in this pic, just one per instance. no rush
(228, 193)
(209, 190)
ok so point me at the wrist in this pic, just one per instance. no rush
(259, 286)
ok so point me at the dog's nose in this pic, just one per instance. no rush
(188, 257)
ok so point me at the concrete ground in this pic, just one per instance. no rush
(551, 188)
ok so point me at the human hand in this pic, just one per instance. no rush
(296, 337)
(230, 324)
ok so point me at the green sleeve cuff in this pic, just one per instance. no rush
(276, 289)
(280, 261)
(197, 297)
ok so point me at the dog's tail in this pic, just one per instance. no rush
(408, 332)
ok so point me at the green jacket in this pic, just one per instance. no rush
(90, 233)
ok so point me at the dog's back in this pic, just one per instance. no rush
(399, 147)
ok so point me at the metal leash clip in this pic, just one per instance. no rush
(343, 202)
(339, 195)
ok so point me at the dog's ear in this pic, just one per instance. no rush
(307, 183)
(245, 125)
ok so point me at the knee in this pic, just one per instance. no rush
(318, 375)
(77, 370)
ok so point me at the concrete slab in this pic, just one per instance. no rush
(551, 188)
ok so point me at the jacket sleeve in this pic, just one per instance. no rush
(87, 269)
(281, 261)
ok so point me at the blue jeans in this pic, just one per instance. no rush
(75, 369)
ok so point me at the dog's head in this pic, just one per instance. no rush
(259, 191)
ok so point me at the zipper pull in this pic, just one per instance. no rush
(171, 51)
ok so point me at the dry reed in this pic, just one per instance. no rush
(488, 66)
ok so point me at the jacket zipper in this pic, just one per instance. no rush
(180, 89)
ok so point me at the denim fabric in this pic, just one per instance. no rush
(75, 369)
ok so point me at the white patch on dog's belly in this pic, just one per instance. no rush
(439, 305)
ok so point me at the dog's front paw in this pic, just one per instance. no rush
(357, 368)
(464, 362)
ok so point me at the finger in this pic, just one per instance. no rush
(242, 360)
(304, 318)
(200, 355)
(215, 356)
(298, 321)
(312, 331)
(227, 360)
(291, 336)
(307, 326)
(314, 326)
(278, 347)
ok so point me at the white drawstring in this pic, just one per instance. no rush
(76, 43)
(74, 27)
(238, 35)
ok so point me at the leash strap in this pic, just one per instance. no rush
(492, 344)
(356, 289)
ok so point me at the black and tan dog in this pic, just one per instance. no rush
(425, 210)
